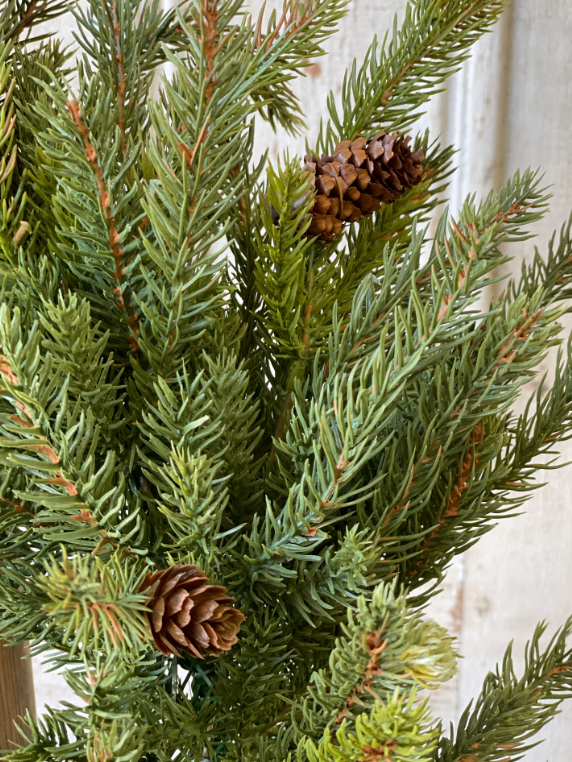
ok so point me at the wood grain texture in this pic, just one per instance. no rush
(16, 691)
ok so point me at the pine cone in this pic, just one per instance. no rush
(358, 177)
(187, 614)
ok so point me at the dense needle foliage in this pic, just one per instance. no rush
(186, 377)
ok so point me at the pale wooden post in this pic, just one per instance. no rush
(16, 692)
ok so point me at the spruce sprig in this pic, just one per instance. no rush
(510, 710)
(398, 77)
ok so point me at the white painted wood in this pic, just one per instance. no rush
(476, 114)
(51, 688)
(540, 97)
(448, 610)
(510, 107)
(517, 574)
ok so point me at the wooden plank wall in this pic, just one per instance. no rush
(509, 107)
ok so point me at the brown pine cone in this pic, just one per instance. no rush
(358, 177)
(187, 614)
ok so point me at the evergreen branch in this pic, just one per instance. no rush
(324, 589)
(92, 607)
(301, 333)
(423, 448)
(253, 683)
(13, 227)
(393, 82)
(500, 351)
(33, 215)
(74, 109)
(65, 476)
(396, 729)
(295, 39)
(510, 472)
(311, 425)
(554, 273)
(281, 265)
(125, 711)
(469, 465)
(235, 415)
(511, 710)
(326, 455)
(142, 30)
(189, 203)
(481, 490)
(40, 443)
(328, 480)
(391, 85)
(247, 221)
(380, 650)
(536, 434)
(193, 496)
(123, 43)
(96, 205)
(460, 257)
(300, 29)
(200, 459)
(19, 16)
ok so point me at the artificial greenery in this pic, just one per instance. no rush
(187, 377)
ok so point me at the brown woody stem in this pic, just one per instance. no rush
(74, 109)
(121, 72)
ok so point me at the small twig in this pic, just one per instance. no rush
(74, 109)
(121, 83)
